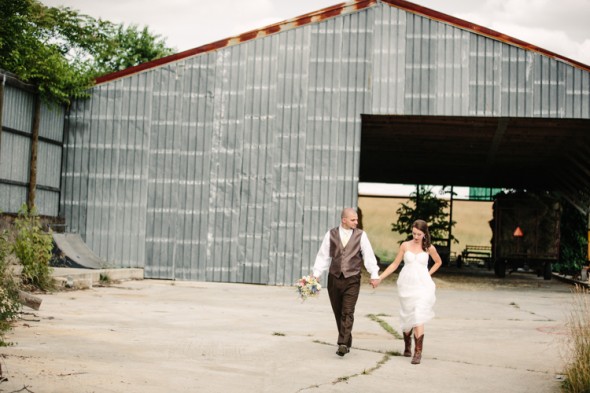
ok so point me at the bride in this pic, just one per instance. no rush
(415, 286)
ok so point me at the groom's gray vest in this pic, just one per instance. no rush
(346, 260)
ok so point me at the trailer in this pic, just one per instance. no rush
(526, 233)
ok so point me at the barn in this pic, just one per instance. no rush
(228, 162)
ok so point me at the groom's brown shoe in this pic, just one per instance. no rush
(342, 350)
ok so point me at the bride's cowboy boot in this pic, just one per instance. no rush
(408, 343)
(418, 350)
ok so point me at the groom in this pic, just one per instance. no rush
(342, 251)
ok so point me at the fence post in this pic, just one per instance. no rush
(34, 149)
(1, 111)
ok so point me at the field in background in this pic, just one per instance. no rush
(378, 213)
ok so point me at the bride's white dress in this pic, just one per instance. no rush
(415, 289)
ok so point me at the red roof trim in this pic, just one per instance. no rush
(330, 12)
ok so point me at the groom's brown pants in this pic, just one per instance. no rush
(344, 293)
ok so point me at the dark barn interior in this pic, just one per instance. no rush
(523, 153)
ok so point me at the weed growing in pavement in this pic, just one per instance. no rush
(105, 279)
(577, 372)
(32, 246)
(387, 327)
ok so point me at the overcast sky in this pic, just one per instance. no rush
(559, 26)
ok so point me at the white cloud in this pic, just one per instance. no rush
(584, 52)
(188, 23)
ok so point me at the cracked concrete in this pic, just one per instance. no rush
(163, 336)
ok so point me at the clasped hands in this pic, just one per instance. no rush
(375, 282)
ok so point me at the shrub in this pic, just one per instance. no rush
(32, 246)
(577, 372)
(9, 304)
(573, 243)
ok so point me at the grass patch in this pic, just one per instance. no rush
(368, 371)
(279, 334)
(105, 279)
(387, 327)
(577, 372)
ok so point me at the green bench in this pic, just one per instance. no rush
(477, 254)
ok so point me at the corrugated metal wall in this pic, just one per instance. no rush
(15, 154)
(231, 165)
(426, 67)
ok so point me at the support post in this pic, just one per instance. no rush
(34, 150)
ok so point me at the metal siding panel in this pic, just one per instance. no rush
(205, 117)
(131, 174)
(16, 153)
(47, 202)
(75, 170)
(578, 93)
(484, 81)
(389, 71)
(515, 89)
(51, 124)
(252, 153)
(285, 259)
(319, 208)
(543, 81)
(99, 165)
(183, 212)
(191, 195)
(452, 76)
(421, 54)
(48, 165)
(16, 149)
(13, 197)
(356, 100)
(18, 109)
(102, 155)
(549, 87)
(225, 178)
(163, 201)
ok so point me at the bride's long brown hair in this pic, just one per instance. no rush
(423, 226)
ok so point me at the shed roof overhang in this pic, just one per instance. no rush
(525, 153)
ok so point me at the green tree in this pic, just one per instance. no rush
(424, 205)
(131, 46)
(573, 243)
(61, 50)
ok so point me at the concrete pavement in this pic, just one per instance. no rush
(166, 336)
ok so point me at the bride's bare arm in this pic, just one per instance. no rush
(436, 258)
(393, 265)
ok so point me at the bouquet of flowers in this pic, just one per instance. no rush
(308, 286)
